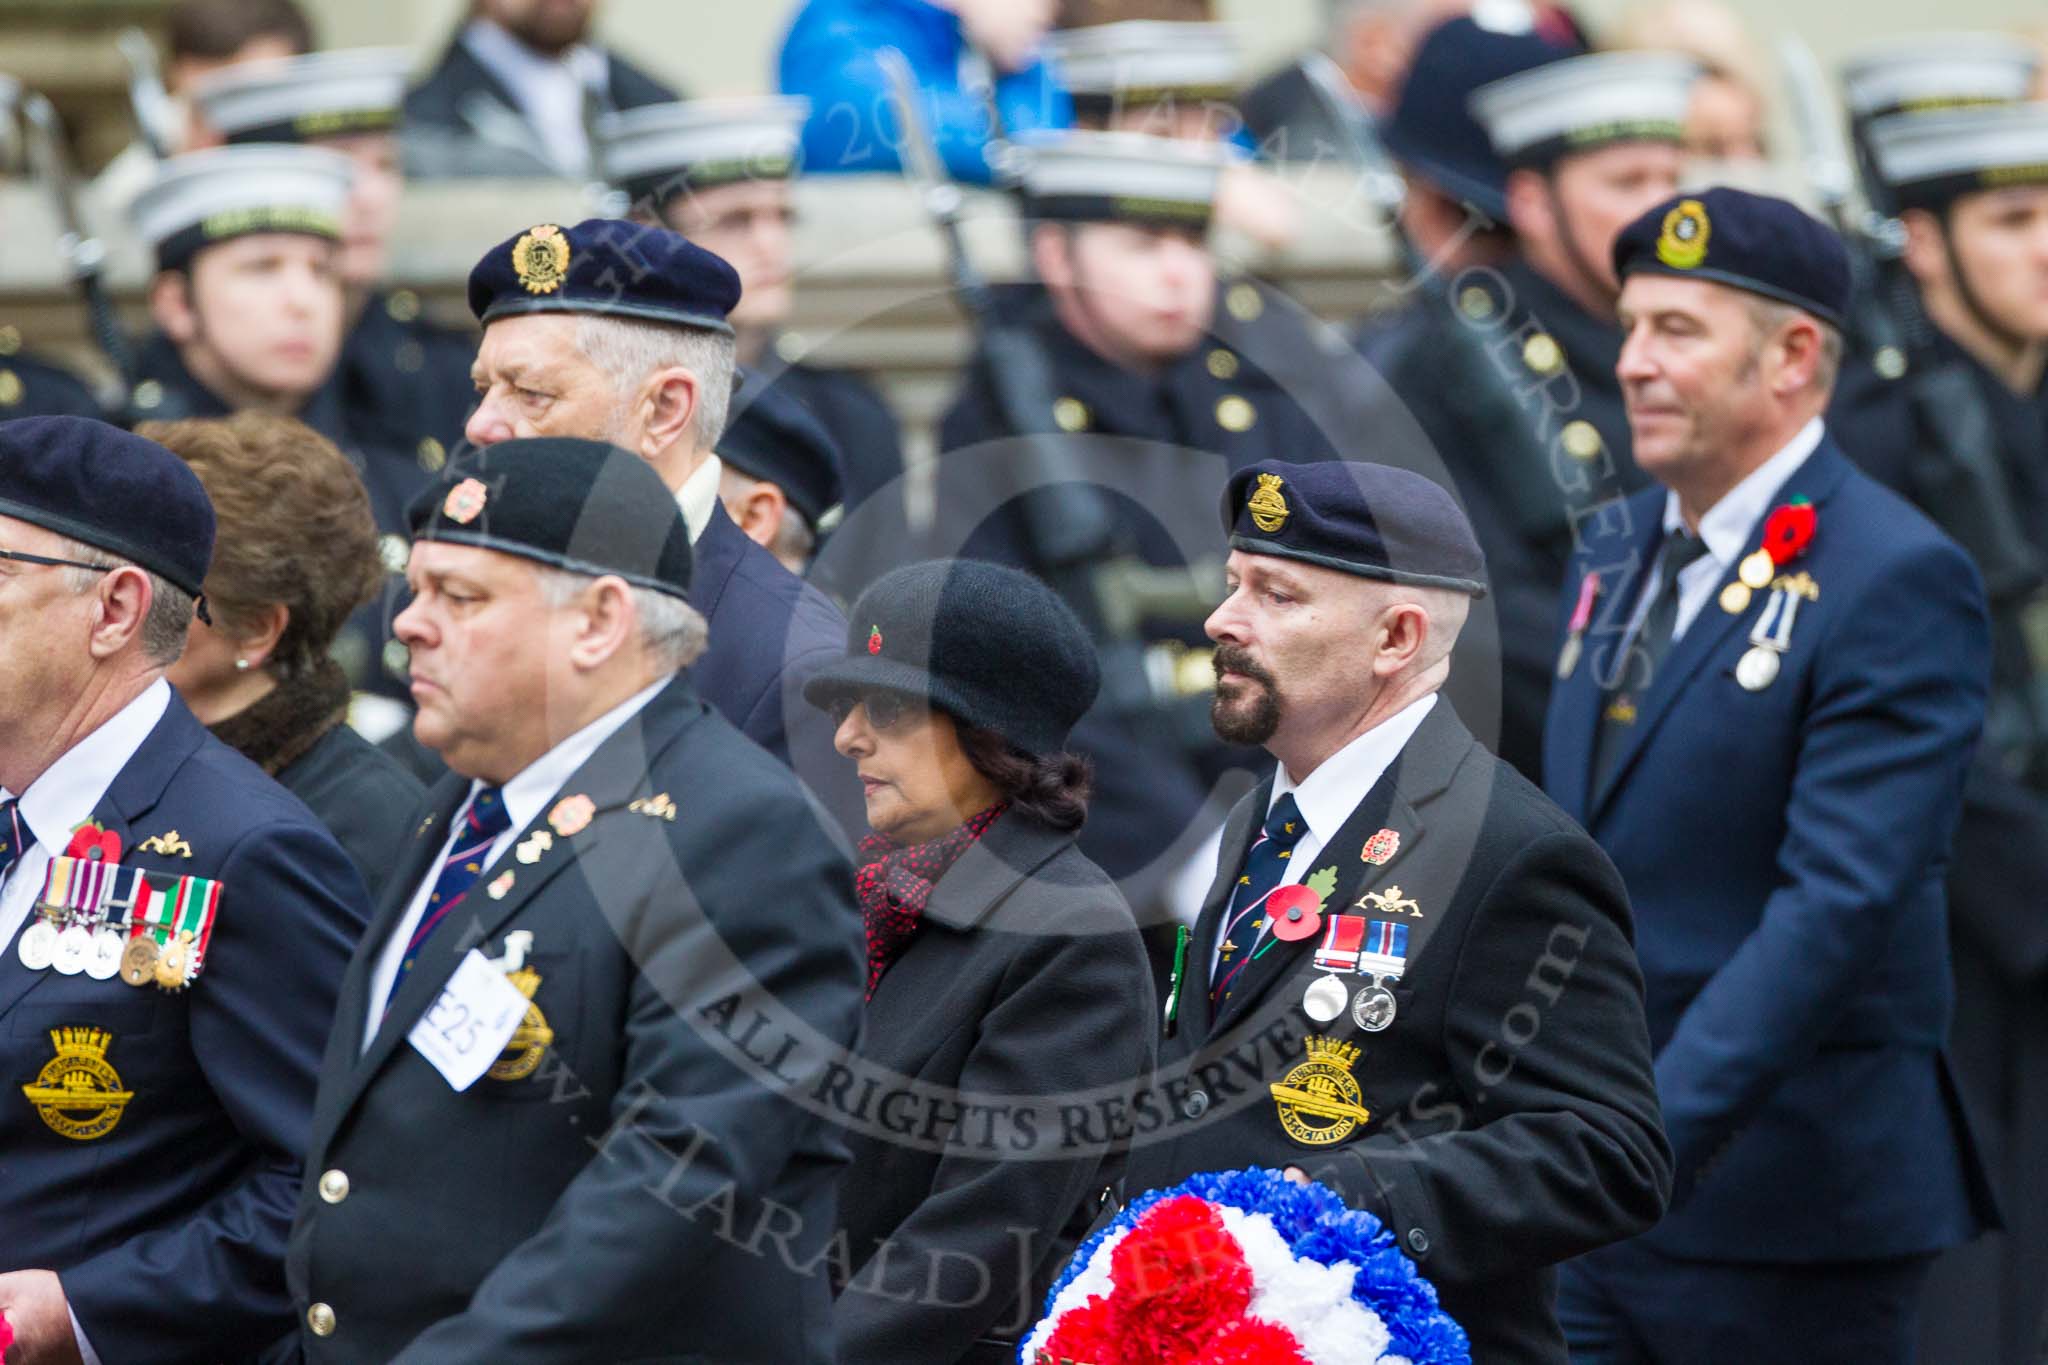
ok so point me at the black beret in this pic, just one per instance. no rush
(988, 645)
(607, 266)
(1746, 241)
(583, 506)
(772, 436)
(110, 489)
(1367, 519)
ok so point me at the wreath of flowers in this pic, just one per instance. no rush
(1243, 1268)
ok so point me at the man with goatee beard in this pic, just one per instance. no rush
(1412, 979)
(509, 95)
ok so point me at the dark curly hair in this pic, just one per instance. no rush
(1050, 788)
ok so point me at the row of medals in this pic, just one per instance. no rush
(103, 953)
(1772, 634)
(1372, 1010)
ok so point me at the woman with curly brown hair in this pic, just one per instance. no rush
(295, 554)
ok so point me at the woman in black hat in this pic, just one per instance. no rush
(1007, 985)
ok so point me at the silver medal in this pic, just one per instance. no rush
(38, 945)
(74, 946)
(1374, 1008)
(1324, 999)
(1757, 669)
(1568, 657)
(104, 961)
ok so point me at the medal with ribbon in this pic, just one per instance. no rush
(1787, 533)
(1582, 617)
(170, 927)
(1377, 949)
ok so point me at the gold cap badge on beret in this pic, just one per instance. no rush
(1269, 510)
(464, 501)
(540, 258)
(1682, 244)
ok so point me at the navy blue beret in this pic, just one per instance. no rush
(772, 436)
(987, 644)
(1432, 128)
(109, 489)
(1746, 241)
(583, 506)
(1367, 519)
(607, 266)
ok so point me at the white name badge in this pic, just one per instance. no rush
(465, 1030)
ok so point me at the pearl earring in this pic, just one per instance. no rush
(241, 665)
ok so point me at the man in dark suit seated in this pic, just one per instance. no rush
(1411, 980)
(617, 331)
(1769, 690)
(569, 1053)
(176, 926)
(511, 93)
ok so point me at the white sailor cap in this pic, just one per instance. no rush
(660, 150)
(205, 197)
(1918, 72)
(1930, 160)
(1575, 105)
(1140, 62)
(1085, 176)
(293, 99)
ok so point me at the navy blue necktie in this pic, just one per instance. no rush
(479, 828)
(1265, 864)
(14, 840)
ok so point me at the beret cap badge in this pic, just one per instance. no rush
(464, 501)
(1268, 508)
(1682, 244)
(540, 258)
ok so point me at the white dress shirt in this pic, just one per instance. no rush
(65, 796)
(68, 793)
(1328, 795)
(525, 796)
(1726, 527)
(549, 90)
(699, 495)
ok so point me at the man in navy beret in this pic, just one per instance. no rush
(642, 884)
(1770, 679)
(1411, 979)
(175, 927)
(618, 332)
(783, 471)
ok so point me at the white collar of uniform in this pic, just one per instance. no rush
(1727, 524)
(70, 789)
(531, 787)
(1328, 795)
(516, 64)
(699, 494)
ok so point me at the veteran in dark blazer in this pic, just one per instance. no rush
(619, 1159)
(160, 1049)
(1771, 683)
(1412, 978)
(617, 331)
(1005, 972)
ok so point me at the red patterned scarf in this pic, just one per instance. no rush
(895, 884)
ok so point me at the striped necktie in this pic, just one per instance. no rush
(479, 828)
(1265, 866)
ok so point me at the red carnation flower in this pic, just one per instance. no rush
(1179, 1276)
(1253, 1341)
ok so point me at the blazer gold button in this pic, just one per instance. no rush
(334, 1186)
(320, 1319)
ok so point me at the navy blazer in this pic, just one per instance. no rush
(168, 1232)
(646, 1181)
(1785, 850)
(770, 631)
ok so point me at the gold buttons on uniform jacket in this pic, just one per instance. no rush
(432, 454)
(11, 388)
(320, 1320)
(1475, 302)
(149, 394)
(403, 305)
(1244, 302)
(334, 1186)
(1222, 364)
(1235, 414)
(1581, 439)
(1070, 414)
(10, 339)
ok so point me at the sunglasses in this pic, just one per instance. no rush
(885, 710)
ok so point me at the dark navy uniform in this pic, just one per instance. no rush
(686, 936)
(406, 379)
(160, 1186)
(35, 388)
(1780, 797)
(1490, 1148)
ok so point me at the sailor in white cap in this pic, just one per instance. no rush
(1922, 72)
